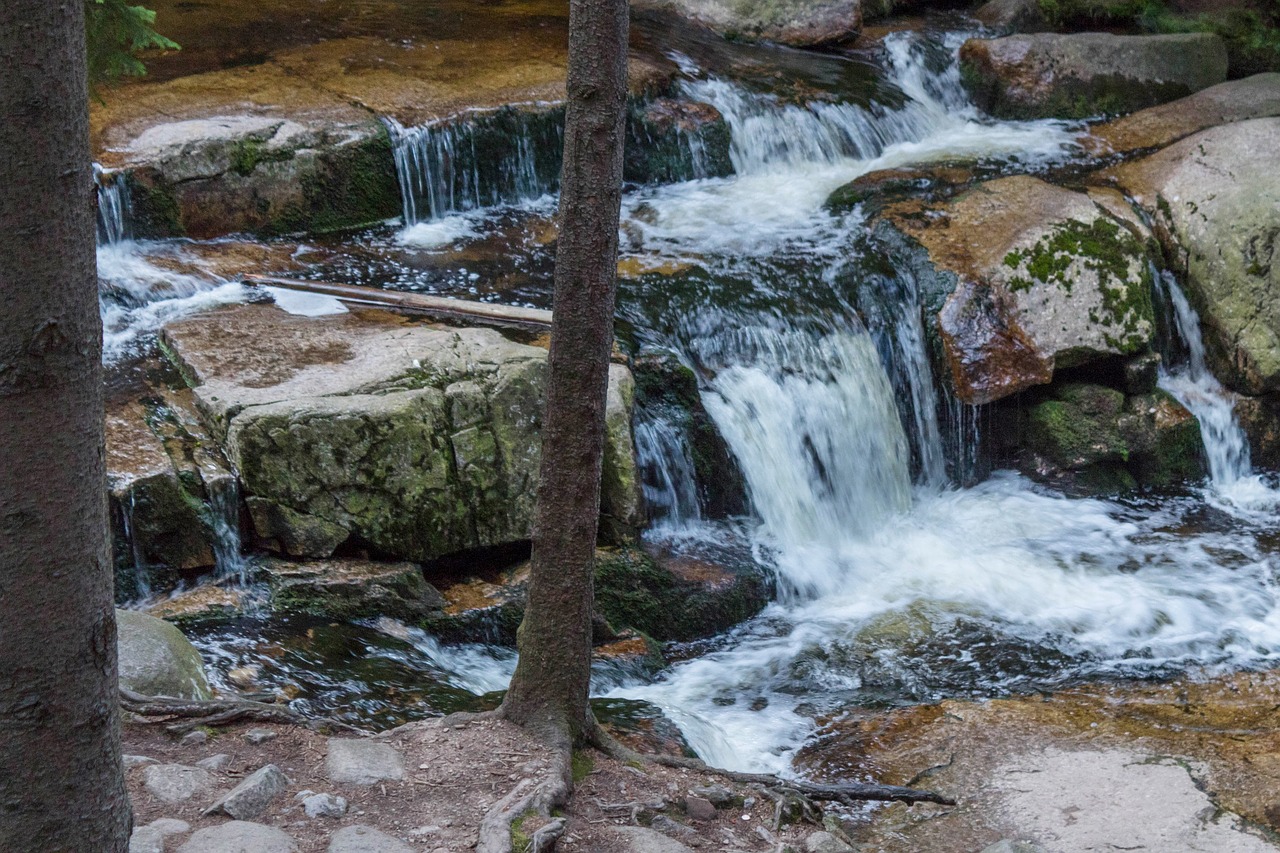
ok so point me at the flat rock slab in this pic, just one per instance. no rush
(637, 839)
(176, 783)
(240, 836)
(366, 839)
(362, 762)
(252, 796)
(1113, 799)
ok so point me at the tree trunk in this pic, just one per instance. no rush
(548, 692)
(61, 782)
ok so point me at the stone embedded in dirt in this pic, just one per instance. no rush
(157, 660)
(324, 805)
(146, 839)
(252, 796)
(195, 738)
(175, 783)
(1005, 845)
(1048, 75)
(214, 763)
(260, 736)
(674, 828)
(167, 826)
(362, 762)
(637, 839)
(240, 836)
(699, 808)
(366, 839)
(718, 795)
(132, 761)
(825, 842)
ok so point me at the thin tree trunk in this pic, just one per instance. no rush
(548, 692)
(61, 782)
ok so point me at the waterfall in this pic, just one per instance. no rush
(505, 157)
(142, 573)
(1192, 384)
(667, 473)
(113, 206)
(224, 524)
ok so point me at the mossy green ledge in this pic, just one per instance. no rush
(409, 440)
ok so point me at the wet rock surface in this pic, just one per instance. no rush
(157, 660)
(1088, 74)
(1040, 278)
(1215, 206)
(800, 23)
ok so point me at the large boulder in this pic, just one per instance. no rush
(800, 23)
(414, 440)
(1156, 127)
(1037, 278)
(1214, 199)
(157, 660)
(1048, 75)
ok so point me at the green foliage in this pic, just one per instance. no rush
(115, 32)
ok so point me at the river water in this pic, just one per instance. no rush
(899, 579)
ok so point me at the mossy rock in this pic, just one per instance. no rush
(347, 590)
(157, 660)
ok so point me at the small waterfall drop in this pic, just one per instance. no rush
(1225, 443)
(667, 473)
(224, 523)
(113, 207)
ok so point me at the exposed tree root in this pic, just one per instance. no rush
(527, 797)
(187, 714)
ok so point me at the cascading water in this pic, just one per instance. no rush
(1226, 445)
(113, 206)
(667, 473)
(224, 522)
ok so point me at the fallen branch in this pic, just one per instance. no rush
(193, 713)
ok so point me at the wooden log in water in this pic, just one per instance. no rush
(461, 310)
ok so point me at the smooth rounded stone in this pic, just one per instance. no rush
(196, 738)
(252, 796)
(800, 23)
(167, 826)
(146, 839)
(132, 761)
(718, 795)
(366, 839)
(157, 660)
(175, 783)
(362, 762)
(1049, 75)
(825, 842)
(324, 805)
(637, 839)
(240, 836)
(1006, 845)
(214, 763)
(699, 808)
(259, 736)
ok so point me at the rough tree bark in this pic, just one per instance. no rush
(548, 693)
(61, 783)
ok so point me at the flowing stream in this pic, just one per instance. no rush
(897, 582)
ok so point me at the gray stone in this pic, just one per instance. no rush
(351, 589)
(240, 836)
(214, 763)
(1006, 845)
(324, 805)
(167, 826)
(1048, 75)
(1215, 205)
(699, 809)
(196, 738)
(252, 796)
(175, 783)
(674, 828)
(801, 23)
(825, 842)
(366, 839)
(146, 839)
(258, 736)
(157, 660)
(132, 761)
(638, 839)
(362, 762)
(718, 795)
(1019, 16)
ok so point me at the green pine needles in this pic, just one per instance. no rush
(115, 33)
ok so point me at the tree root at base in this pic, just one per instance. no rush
(187, 714)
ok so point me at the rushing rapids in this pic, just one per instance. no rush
(898, 582)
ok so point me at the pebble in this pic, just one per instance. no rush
(252, 796)
(699, 808)
(167, 826)
(195, 738)
(324, 805)
(362, 762)
(259, 736)
(366, 839)
(825, 842)
(146, 839)
(214, 763)
(718, 795)
(240, 836)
